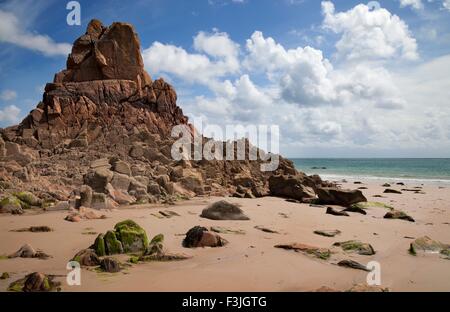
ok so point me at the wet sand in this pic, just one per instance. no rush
(249, 262)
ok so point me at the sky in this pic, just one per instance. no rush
(340, 78)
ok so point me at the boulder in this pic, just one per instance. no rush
(131, 235)
(85, 196)
(35, 282)
(335, 196)
(291, 187)
(397, 214)
(120, 182)
(99, 201)
(110, 265)
(112, 244)
(427, 245)
(201, 237)
(87, 258)
(223, 210)
(98, 179)
(122, 167)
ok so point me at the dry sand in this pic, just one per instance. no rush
(249, 262)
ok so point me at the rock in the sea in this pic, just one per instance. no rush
(391, 191)
(321, 253)
(356, 246)
(327, 233)
(334, 212)
(335, 196)
(87, 257)
(223, 210)
(397, 214)
(353, 265)
(201, 237)
(292, 187)
(110, 265)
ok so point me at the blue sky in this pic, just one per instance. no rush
(338, 78)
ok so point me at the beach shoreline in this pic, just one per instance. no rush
(249, 262)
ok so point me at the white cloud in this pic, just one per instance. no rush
(12, 31)
(9, 115)
(446, 4)
(320, 104)
(369, 34)
(8, 95)
(217, 57)
(416, 4)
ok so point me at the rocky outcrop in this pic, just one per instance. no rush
(101, 137)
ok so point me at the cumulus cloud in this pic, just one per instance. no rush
(416, 4)
(9, 115)
(8, 95)
(217, 56)
(318, 102)
(369, 34)
(12, 31)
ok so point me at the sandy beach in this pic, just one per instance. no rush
(249, 262)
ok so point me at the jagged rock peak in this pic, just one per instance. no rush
(105, 53)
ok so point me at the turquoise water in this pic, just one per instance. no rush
(418, 170)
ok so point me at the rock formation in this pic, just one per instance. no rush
(101, 137)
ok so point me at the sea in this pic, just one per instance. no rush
(412, 170)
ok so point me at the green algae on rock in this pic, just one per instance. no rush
(356, 246)
(132, 236)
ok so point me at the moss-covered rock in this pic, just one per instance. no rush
(156, 245)
(367, 205)
(356, 246)
(132, 236)
(112, 244)
(29, 198)
(99, 246)
(11, 204)
(35, 282)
